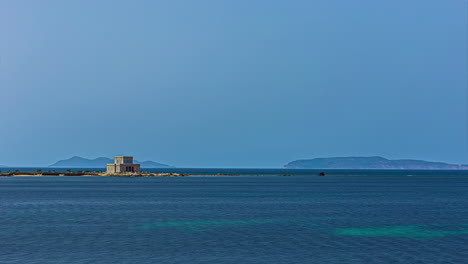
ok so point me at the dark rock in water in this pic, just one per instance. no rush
(322, 174)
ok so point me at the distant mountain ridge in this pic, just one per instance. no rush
(371, 163)
(79, 162)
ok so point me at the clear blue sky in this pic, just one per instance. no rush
(238, 83)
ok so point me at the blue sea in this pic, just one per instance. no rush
(361, 217)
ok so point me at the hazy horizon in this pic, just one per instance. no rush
(280, 166)
(218, 84)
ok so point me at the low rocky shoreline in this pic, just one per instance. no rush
(90, 173)
(104, 174)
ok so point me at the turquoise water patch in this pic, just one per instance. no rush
(410, 231)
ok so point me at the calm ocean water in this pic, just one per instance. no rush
(393, 218)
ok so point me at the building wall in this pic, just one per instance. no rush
(129, 168)
(111, 168)
(123, 159)
(116, 168)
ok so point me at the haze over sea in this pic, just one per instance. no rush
(384, 217)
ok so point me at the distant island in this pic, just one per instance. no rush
(79, 162)
(371, 163)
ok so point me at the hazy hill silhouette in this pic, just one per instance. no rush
(370, 163)
(80, 162)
